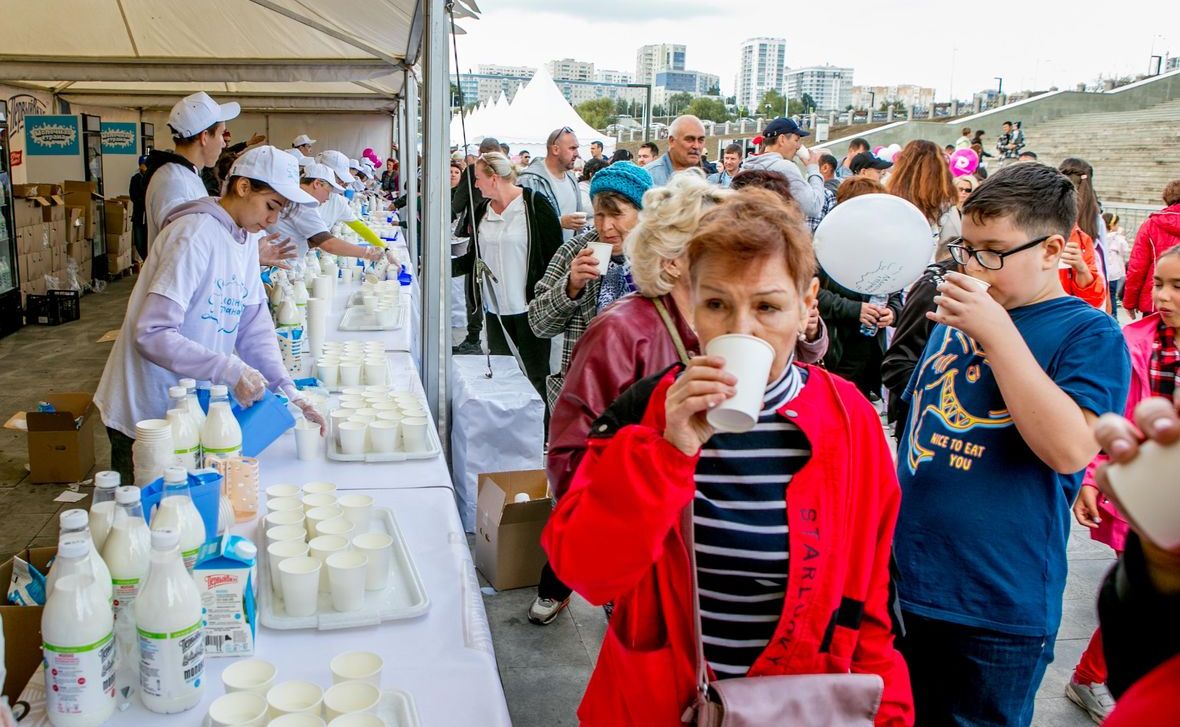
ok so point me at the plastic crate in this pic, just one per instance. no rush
(53, 308)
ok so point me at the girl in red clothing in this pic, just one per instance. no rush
(1082, 274)
(1154, 362)
(793, 520)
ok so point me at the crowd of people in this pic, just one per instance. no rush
(805, 545)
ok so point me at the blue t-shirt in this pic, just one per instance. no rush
(983, 524)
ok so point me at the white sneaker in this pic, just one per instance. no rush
(545, 610)
(1094, 698)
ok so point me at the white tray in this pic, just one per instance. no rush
(358, 319)
(435, 449)
(404, 597)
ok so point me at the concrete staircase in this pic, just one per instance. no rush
(1134, 153)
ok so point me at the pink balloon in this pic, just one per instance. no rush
(963, 162)
(877, 151)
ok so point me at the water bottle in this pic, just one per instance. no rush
(865, 329)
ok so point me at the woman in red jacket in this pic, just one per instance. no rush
(793, 520)
(1082, 275)
(1159, 233)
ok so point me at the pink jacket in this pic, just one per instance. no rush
(1140, 336)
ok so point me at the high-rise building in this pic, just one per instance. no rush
(490, 88)
(568, 69)
(829, 87)
(763, 64)
(469, 85)
(605, 76)
(651, 59)
(910, 96)
(694, 83)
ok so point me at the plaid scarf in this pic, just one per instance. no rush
(1165, 362)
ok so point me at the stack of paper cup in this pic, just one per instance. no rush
(317, 323)
(152, 451)
(321, 288)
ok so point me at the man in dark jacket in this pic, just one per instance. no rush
(137, 191)
(852, 354)
(464, 201)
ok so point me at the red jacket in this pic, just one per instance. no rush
(1151, 702)
(1160, 232)
(615, 535)
(623, 344)
(1095, 292)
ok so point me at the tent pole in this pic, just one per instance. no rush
(410, 173)
(436, 214)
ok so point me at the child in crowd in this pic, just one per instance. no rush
(1154, 362)
(998, 437)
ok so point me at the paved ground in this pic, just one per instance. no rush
(544, 669)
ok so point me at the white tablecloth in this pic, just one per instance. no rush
(443, 658)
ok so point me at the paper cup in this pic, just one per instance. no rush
(391, 416)
(386, 316)
(375, 372)
(283, 533)
(312, 500)
(322, 546)
(305, 719)
(336, 526)
(1147, 492)
(749, 359)
(346, 580)
(252, 675)
(602, 253)
(296, 697)
(383, 436)
(378, 548)
(239, 709)
(356, 666)
(370, 303)
(352, 437)
(350, 373)
(300, 581)
(414, 434)
(286, 517)
(328, 372)
(282, 504)
(981, 284)
(357, 719)
(350, 698)
(307, 439)
(275, 492)
(317, 515)
(358, 510)
(278, 552)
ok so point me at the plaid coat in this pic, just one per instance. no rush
(552, 312)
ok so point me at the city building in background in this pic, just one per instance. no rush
(694, 83)
(909, 95)
(651, 59)
(763, 68)
(829, 86)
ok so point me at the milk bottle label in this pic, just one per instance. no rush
(80, 679)
(126, 589)
(190, 558)
(171, 664)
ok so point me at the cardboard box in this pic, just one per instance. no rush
(29, 211)
(73, 222)
(57, 234)
(223, 578)
(118, 216)
(25, 190)
(83, 195)
(61, 444)
(33, 287)
(22, 626)
(508, 533)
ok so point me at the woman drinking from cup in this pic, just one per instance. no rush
(791, 519)
(589, 272)
(518, 235)
(198, 309)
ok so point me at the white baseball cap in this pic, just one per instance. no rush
(337, 162)
(321, 171)
(272, 167)
(367, 167)
(354, 164)
(193, 114)
(303, 140)
(299, 157)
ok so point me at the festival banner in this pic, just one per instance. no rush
(119, 137)
(52, 136)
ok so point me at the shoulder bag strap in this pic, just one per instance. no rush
(677, 341)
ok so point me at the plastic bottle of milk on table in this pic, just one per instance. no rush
(177, 512)
(194, 405)
(102, 507)
(126, 553)
(76, 523)
(221, 436)
(78, 642)
(186, 438)
(171, 636)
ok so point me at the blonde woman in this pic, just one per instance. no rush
(518, 233)
(629, 341)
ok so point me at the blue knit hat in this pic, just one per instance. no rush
(624, 178)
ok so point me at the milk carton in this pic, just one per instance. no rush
(224, 575)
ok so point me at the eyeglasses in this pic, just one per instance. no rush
(557, 135)
(987, 259)
(964, 189)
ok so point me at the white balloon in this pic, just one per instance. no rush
(875, 244)
(886, 154)
(895, 147)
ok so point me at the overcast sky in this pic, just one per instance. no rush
(1030, 43)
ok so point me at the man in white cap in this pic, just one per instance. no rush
(303, 143)
(336, 208)
(197, 123)
(304, 225)
(303, 161)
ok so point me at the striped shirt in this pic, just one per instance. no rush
(740, 530)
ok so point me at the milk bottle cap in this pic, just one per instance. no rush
(127, 495)
(177, 391)
(106, 479)
(74, 520)
(73, 545)
(175, 474)
(188, 383)
(246, 550)
(219, 390)
(165, 539)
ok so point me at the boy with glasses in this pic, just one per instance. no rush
(998, 436)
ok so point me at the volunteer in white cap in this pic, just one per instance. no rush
(303, 161)
(197, 123)
(337, 209)
(198, 309)
(306, 227)
(303, 143)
